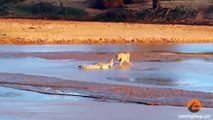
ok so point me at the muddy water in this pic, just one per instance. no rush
(191, 74)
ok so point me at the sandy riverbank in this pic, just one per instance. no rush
(92, 56)
(19, 31)
(130, 94)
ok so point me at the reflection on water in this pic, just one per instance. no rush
(188, 74)
(8, 94)
(184, 48)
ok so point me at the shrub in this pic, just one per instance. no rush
(209, 12)
(50, 11)
(142, 14)
(114, 15)
(99, 4)
(104, 4)
(127, 1)
(162, 14)
(181, 12)
(10, 1)
(3, 10)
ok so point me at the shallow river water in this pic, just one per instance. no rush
(26, 105)
(182, 48)
(190, 74)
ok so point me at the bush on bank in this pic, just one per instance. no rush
(45, 10)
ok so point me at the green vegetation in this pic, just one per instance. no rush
(3, 10)
(127, 1)
(111, 10)
(148, 15)
(10, 1)
(105, 4)
(114, 15)
(209, 12)
(181, 12)
(54, 12)
(167, 14)
(45, 10)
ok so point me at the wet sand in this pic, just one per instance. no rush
(100, 56)
(19, 31)
(122, 93)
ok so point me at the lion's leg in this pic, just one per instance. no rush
(129, 62)
(120, 63)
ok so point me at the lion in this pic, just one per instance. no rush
(123, 57)
(102, 66)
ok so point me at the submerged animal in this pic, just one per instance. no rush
(123, 57)
(106, 65)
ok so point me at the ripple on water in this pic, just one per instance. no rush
(185, 74)
(151, 81)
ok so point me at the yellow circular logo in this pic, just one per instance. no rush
(194, 105)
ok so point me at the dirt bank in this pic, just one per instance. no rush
(19, 31)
